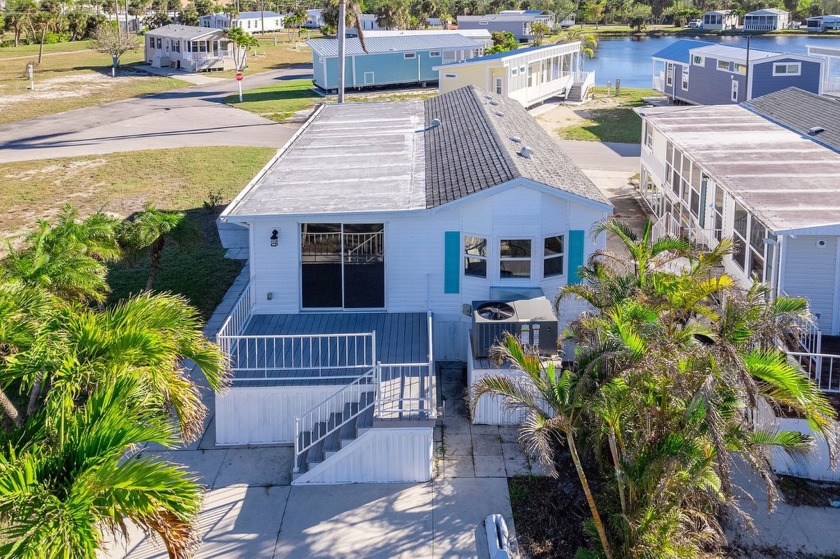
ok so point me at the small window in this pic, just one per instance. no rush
(450, 76)
(553, 256)
(740, 68)
(723, 65)
(514, 71)
(698, 60)
(685, 79)
(482, 23)
(515, 258)
(522, 69)
(787, 69)
(408, 55)
(648, 135)
(434, 54)
(475, 256)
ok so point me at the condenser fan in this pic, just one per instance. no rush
(495, 311)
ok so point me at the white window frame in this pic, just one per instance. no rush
(698, 60)
(372, 78)
(561, 256)
(648, 135)
(669, 74)
(482, 23)
(684, 80)
(528, 259)
(720, 62)
(787, 65)
(514, 71)
(465, 254)
(409, 55)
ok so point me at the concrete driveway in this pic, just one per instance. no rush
(193, 116)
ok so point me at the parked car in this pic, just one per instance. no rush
(695, 24)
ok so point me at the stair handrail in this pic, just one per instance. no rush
(374, 239)
(321, 413)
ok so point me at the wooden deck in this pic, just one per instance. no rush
(400, 338)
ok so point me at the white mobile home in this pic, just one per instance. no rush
(365, 264)
(314, 18)
(189, 48)
(250, 22)
(517, 23)
(529, 75)
(770, 19)
(718, 20)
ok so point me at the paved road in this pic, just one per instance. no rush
(194, 116)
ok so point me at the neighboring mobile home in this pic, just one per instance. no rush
(529, 75)
(518, 24)
(389, 60)
(189, 48)
(371, 235)
(770, 19)
(701, 73)
(823, 23)
(718, 20)
(250, 22)
(480, 36)
(314, 18)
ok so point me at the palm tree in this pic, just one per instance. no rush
(151, 228)
(67, 259)
(58, 496)
(147, 337)
(342, 39)
(553, 407)
(242, 43)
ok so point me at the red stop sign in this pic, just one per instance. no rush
(239, 76)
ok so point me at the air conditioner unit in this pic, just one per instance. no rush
(533, 321)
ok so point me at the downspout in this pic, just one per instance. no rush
(748, 93)
(779, 252)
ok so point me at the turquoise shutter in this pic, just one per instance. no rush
(575, 255)
(452, 262)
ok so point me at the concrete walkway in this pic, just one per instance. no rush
(193, 116)
(196, 78)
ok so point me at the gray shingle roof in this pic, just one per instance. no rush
(477, 143)
(402, 43)
(801, 111)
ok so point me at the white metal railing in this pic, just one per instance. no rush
(549, 88)
(405, 391)
(706, 236)
(831, 85)
(320, 422)
(235, 322)
(822, 368)
(659, 83)
(320, 356)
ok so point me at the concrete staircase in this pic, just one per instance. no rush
(340, 432)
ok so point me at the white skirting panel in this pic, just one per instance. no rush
(380, 455)
(813, 466)
(265, 415)
(491, 410)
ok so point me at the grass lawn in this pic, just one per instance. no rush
(71, 76)
(122, 183)
(270, 56)
(615, 122)
(279, 101)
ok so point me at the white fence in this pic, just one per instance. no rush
(822, 368)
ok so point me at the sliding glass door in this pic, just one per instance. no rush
(342, 266)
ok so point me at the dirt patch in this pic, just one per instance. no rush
(564, 116)
(76, 85)
(800, 492)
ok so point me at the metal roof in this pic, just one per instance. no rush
(183, 31)
(480, 34)
(766, 12)
(500, 17)
(737, 54)
(679, 51)
(378, 157)
(803, 112)
(257, 15)
(516, 52)
(790, 183)
(402, 43)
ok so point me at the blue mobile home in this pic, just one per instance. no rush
(392, 60)
(701, 73)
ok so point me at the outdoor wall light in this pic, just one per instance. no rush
(274, 237)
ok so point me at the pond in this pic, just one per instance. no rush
(628, 58)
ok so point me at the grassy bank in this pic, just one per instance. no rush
(195, 180)
(70, 76)
(613, 121)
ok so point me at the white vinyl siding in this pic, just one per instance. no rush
(809, 271)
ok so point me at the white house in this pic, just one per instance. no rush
(250, 22)
(189, 48)
(529, 75)
(823, 23)
(314, 18)
(718, 20)
(373, 236)
(769, 19)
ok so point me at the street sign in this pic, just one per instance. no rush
(239, 76)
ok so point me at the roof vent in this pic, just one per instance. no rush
(499, 113)
(494, 102)
(815, 130)
(526, 152)
(435, 123)
(516, 139)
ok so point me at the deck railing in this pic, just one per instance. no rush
(311, 357)
(406, 391)
(236, 321)
(822, 368)
(659, 83)
(831, 86)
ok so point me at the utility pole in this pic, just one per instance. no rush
(342, 39)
